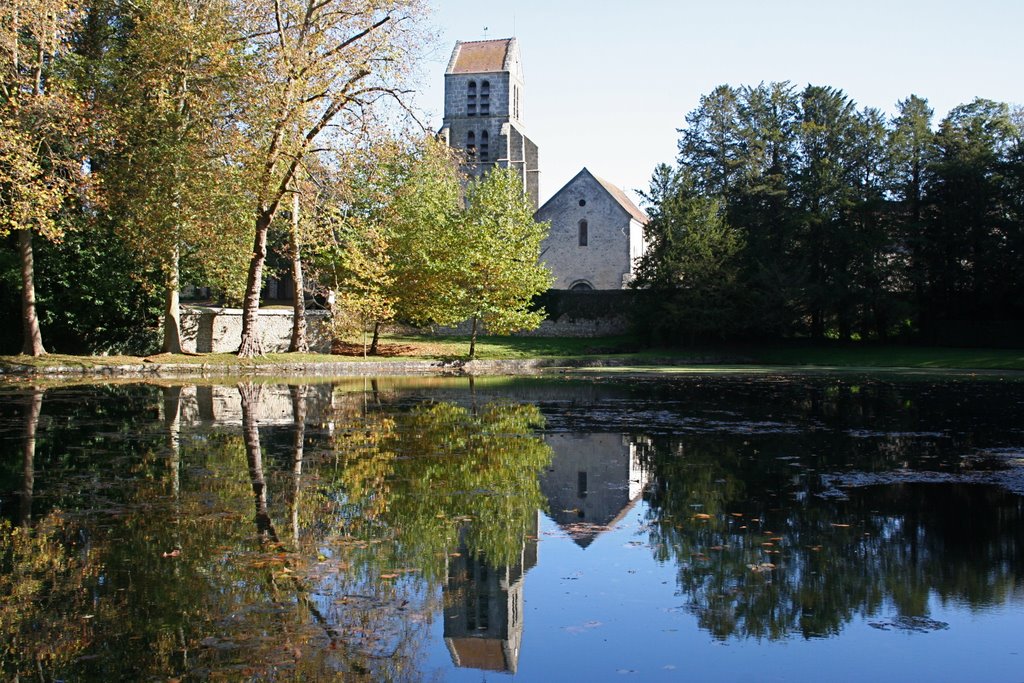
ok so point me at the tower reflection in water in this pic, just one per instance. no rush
(593, 481)
(483, 607)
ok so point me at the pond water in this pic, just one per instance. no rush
(691, 527)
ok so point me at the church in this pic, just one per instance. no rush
(596, 232)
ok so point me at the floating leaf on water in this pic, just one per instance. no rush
(841, 526)
(702, 515)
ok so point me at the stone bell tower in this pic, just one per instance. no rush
(483, 91)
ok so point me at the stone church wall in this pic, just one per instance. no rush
(605, 261)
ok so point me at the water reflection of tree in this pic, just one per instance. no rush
(758, 556)
(159, 569)
(42, 578)
(453, 493)
(439, 475)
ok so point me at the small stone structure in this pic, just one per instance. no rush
(219, 330)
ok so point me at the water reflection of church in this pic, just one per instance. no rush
(593, 481)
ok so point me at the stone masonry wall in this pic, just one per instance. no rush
(605, 261)
(219, 330)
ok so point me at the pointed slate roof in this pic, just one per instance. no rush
(623, 199)
(616, 193)
(481, 56)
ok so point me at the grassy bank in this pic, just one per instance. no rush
(887, 356)
(623, 349)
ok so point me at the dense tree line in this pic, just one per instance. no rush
(795, 213)
(153, 143)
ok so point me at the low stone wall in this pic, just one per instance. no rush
(219, 330)
(221, 405)
(595, 313)
(570, 314)
(564, 326)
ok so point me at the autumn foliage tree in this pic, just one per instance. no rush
(320, 68)
(42, 128)
(175, 193)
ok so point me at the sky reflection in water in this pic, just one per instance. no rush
(698, 528)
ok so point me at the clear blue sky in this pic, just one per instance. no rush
(608, 83)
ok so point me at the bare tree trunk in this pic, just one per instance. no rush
(250, 345)
(172, 310)
(472, 340)
(28, 456)
(32, 337)
(299, 343)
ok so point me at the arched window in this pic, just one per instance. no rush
(485, 98)
(471, 98)
(471, 145)
(581, 286)
(484, 146)
(584, 237)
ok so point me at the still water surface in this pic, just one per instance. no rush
(693, 528)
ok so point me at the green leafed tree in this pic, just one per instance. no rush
(912, 150)
(422, 232)
(383, 240)
(498, 272)
(971, 230)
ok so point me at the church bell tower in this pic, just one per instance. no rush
(483, 90)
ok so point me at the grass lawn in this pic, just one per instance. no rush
(624, 348)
